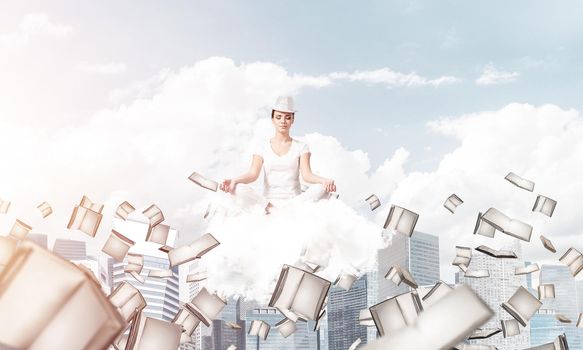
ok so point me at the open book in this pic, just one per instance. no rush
(206, 306)
(548, 244)
(401, 220)
(544, 205)
(520, 182)
(483, 228)
(510, 328)
(395, 313)
(45, 209)
(117, 245)
(526, 270)
(86, 217)
(522, 305)
(148, 333)
(546, 291)
(499, 254)
(345, 280)
(203, 182)
(452, 202)
(187, 320)
(19, 230)
(135, 262)
(194, 250)
(373, 201)
(286, 327)
(259, 328)
(484, 334)
(399, 274)
(128, 300)
(574, 260)
(300, 292)
(35, 319)
(154, 215)
(123, 210)
(463, 256)
(507, 225)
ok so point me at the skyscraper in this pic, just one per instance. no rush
(70, 249)
(343, 310)
(495, 290)
(544, 327)
(565, 301)
(419, 254)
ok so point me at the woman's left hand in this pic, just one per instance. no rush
(329, 185)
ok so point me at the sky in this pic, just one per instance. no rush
(411, 100)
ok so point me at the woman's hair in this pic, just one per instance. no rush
(273, 112)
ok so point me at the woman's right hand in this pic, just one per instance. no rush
(228, 186)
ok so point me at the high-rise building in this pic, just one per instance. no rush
(343, 310)
(225, 336)
(495, 290)
(161, 294)
(565, 301)
(544, 327)
(419, 254)
(70, 249)
(304, 337)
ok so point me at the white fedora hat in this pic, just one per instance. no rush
(284, 104)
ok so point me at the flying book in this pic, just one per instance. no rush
(395, 313)
(45, 209)
(441, 326)
(300, 292)
(562, 318)
(580, 321)
(477, 273)
(137, 276)
(286, 327)
(206, 306)
(544, 205)
(435, 294)
(520, 182)
(187, 321)
(510, 328)
(365, 318)
(204, 182)
(399, 274)
(463, 256)
(522, 305)
(548, 244)
(128, 300)
(196, 277)
(526, 270)
(86, 217)
(345, 280)
(19, 230)
(373, 201)
(574, 260)
(154, 214)
(194, 250)
(355, 344)
(233, 325)
(401, 220)
(160, 273)
(135, 262)
(123, 210)
(499, 254)
(117, 245)
(4, 206)
(452, 202)
(34, 318)
(259, 328)
(153, 334)
(484, 334)
(483, 228)
(546, 291)
(505, 224)
(560, 343)
(158, 234)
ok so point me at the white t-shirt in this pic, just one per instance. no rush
(281, 174)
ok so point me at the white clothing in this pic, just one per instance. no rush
(281, 174)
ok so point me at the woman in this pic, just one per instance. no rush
(303, 229)
(283, 159)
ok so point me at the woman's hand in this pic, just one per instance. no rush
(228, 185)
(328, 185)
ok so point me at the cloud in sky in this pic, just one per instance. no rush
(102, 68)
(543, 144)
(31, 26)
(390, 78)
(493, 76)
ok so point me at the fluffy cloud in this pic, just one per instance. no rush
(34, 25)
(493, 76)
(391, 78)
(543, 144)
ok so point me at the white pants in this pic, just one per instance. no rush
(246, 196)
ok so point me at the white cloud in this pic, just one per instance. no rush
(34, 25)
(543, 144)
(102, 68)
(493, 76)
(391, 78)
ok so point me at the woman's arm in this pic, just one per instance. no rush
(228, 185)
(312, 178)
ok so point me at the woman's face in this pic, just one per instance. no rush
(282, 121)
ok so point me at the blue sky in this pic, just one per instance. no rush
(538, 40)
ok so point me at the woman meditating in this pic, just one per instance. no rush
(305, 229)
(282, 159)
